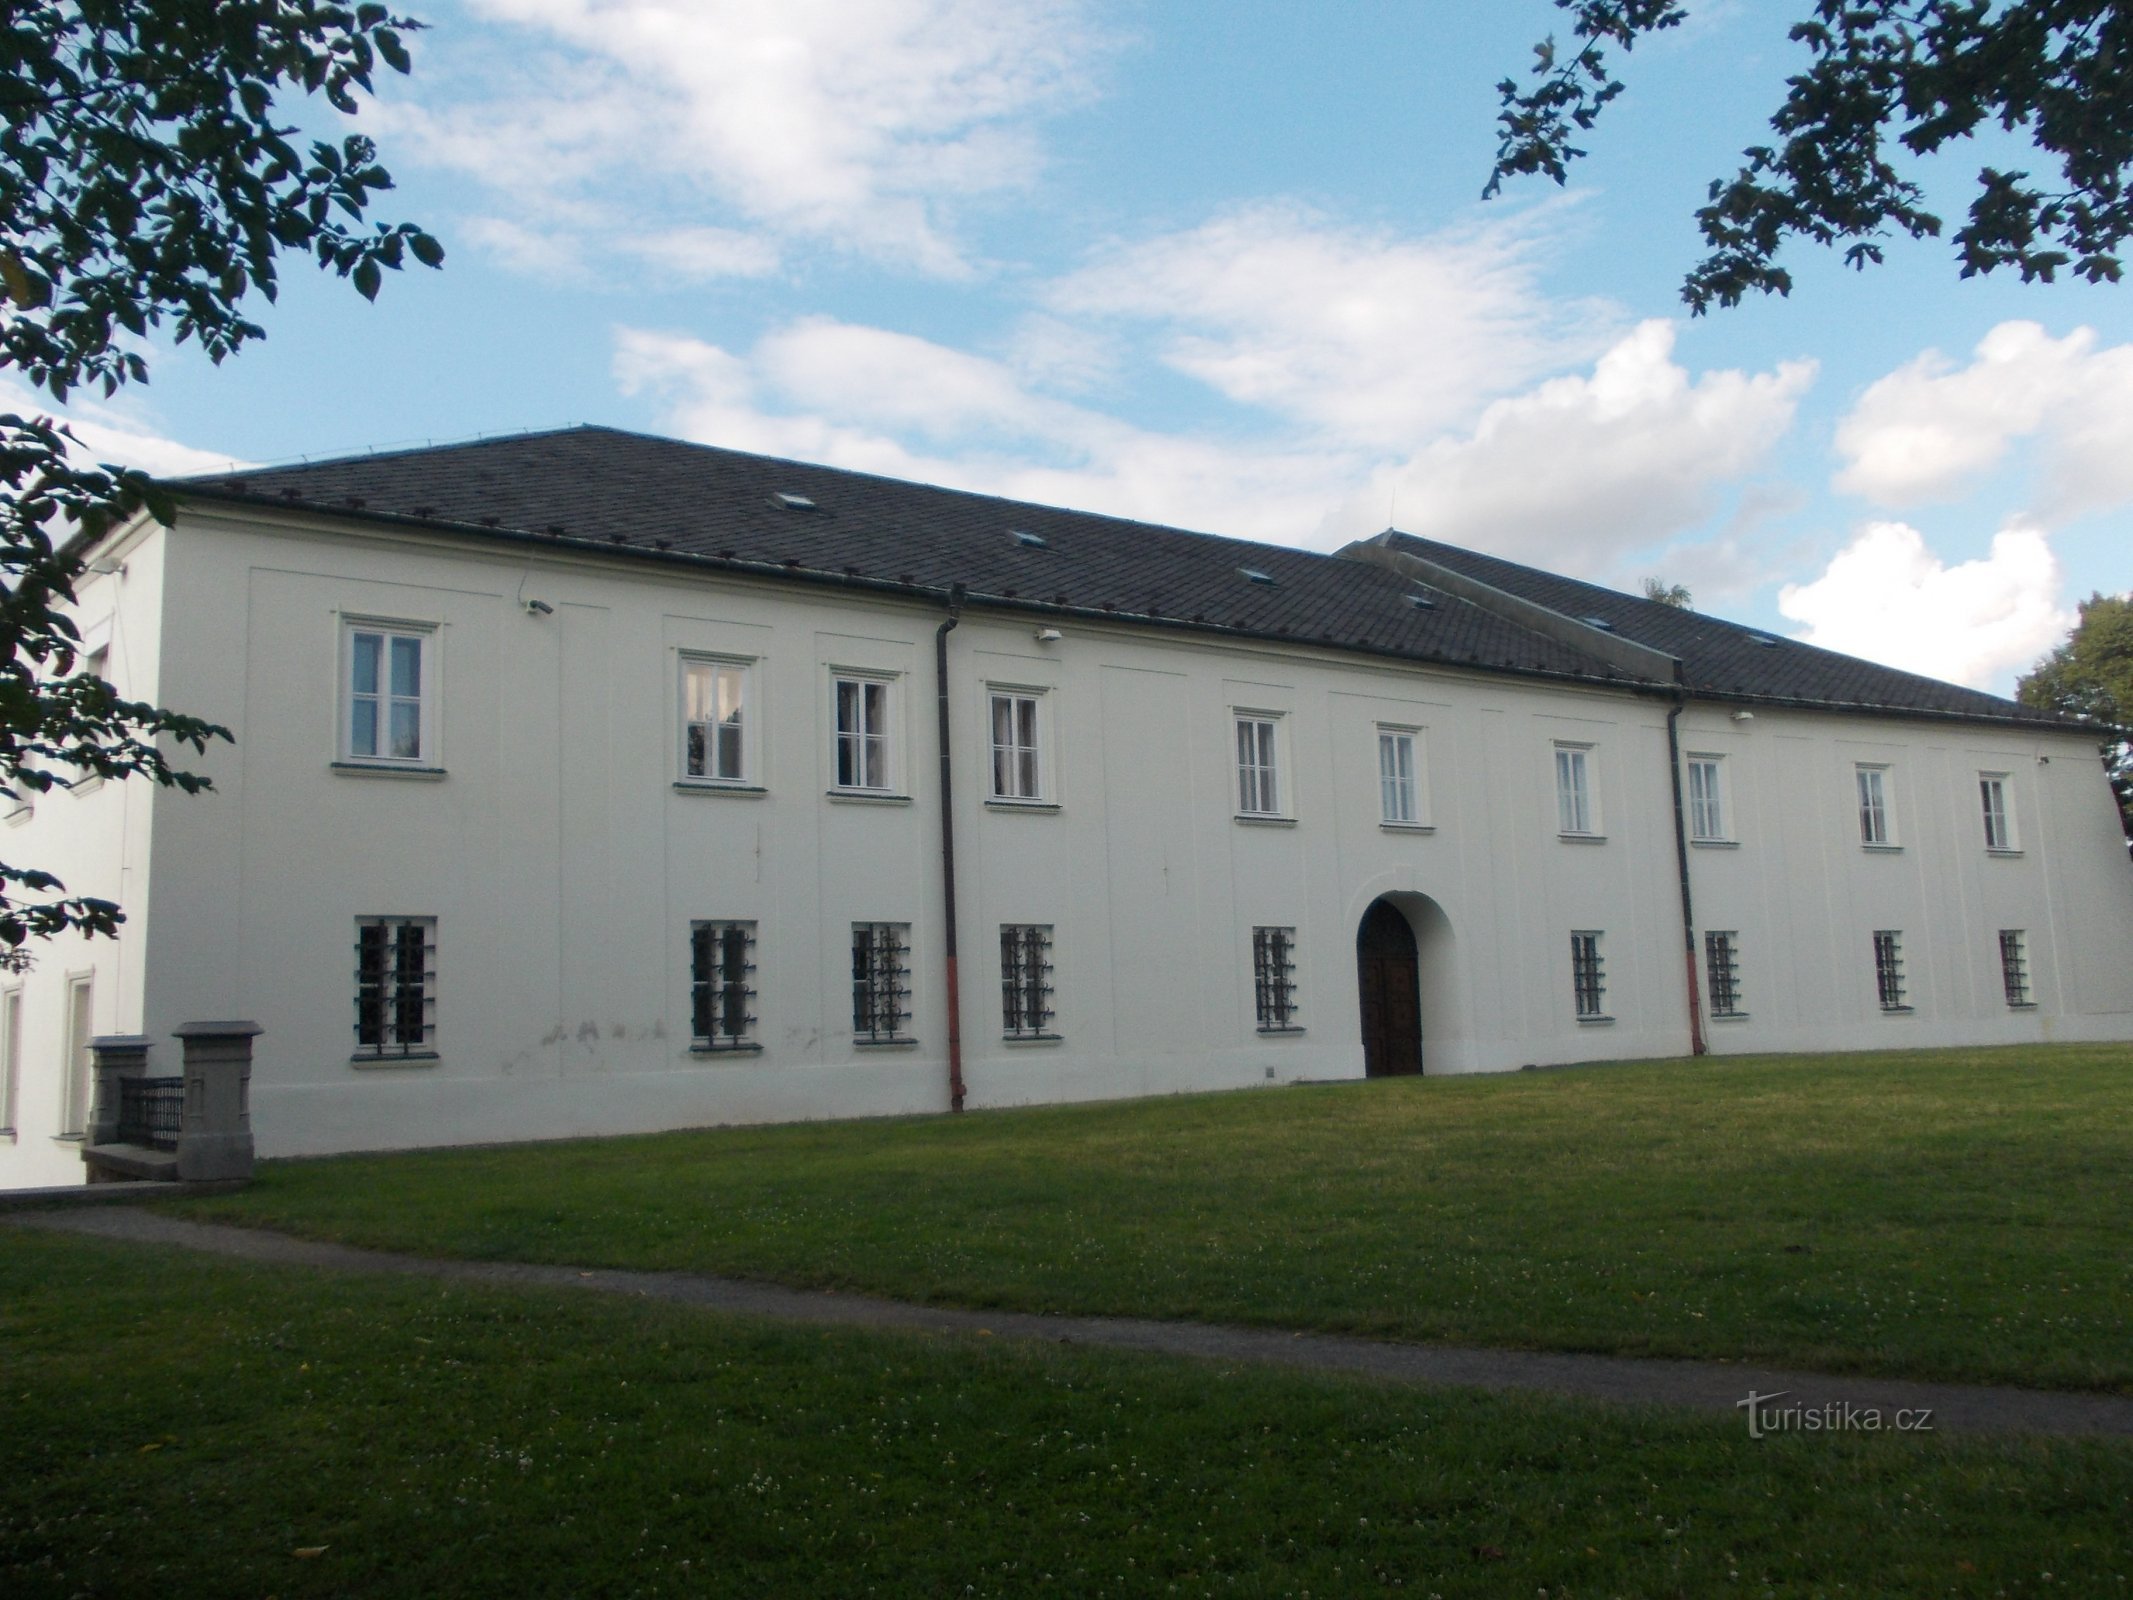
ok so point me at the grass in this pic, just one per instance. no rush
(1948, 1214)
(176, 1426)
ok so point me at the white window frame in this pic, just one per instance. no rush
(1577, 796)
(95, 657)
(10, 1055)
(1027, 766)
(1256, 741)
(1403, 797)
(429, 754)
(1588, 975)
(1874, 806)
(393, 1042)
(1707, 798)
(873, 729)
(1998, 813)
(1026, 992)
(77, 1089)
(881, 983)
(716, 990)
(746, 729)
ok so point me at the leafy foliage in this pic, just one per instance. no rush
(1668, 594)
(2091, 675)
(146, 188)
(1888, 79)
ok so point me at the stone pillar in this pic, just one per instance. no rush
(116, 1056)
(215, 1138)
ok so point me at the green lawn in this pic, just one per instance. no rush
(176, 1426)
(1948, 1214)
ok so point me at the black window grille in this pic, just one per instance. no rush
(1025, 980)
(396, 986)
(1274, 978)
(722, 985)
(1888, 969)
(881, 981)
(1721, 962)
(151, 1111)
(2014, 966)
(1588, 975)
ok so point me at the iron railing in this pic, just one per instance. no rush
(151, 1111)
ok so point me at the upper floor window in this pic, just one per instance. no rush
(862, 711)
(1017, 771)
(1400, 777)
(389, 707)
(1575, 810)
(1707, 804)
(1258, 786)
(1274, 979)
(1588, 977)
(1874, 806)
(715, 728)
(1999, 820)
(722, 985)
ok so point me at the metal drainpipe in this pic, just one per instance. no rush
(1681, 860)
(955, 1010)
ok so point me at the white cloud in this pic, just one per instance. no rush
(859, 123)
(1888, 597)
(115, 434)
(1582, 469)
(1930, 430)
(1371, 338)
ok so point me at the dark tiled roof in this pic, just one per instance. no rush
(646, 497)
(1726, 659)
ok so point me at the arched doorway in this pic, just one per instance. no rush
(1388, 969)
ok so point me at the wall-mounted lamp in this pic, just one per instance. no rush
(1049, 635)
(1743, 716)
(539, 608)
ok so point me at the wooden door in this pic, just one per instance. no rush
(1391, 993)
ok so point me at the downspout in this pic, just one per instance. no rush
(1681, 862)
(955, 1010)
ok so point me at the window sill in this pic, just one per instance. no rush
(81, 786)
(1729, 1016)
(1596, 1022)
(1250, 819)
(2021, 1005)
(420, 1058)
(884, 1044)
(1023, 1041)
(70, 1138)
(21, 814)
(1714, 844)
(1882, 849)
(866, 797)
(746, 791)
(748, 1047)
(1896, 1011)
(2004, 855)
(1582, 838)
(1001, 803)
(386, 769)
(1407, 827)
(1280, 1033)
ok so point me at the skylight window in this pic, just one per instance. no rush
(1598, 622)
(1422, 602)
(1254, 575)
(791, 502)
(1764, 640)
(1036, 541)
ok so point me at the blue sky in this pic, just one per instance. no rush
(1224, 267)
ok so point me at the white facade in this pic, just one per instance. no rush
(549, 842)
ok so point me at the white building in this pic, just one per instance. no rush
(587, 782)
